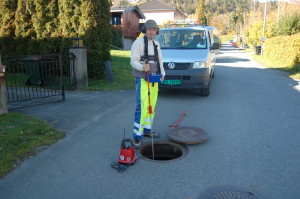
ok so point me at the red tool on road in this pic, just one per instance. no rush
(126, 157)
(127, 152)
(177, 122)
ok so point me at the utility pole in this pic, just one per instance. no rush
(265, 19)
(278, 11)
(263, 38)
(243, 29)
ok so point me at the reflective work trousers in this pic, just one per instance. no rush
(142, 119)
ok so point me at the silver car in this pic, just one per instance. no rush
(188, 57)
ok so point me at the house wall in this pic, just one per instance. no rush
(127, 42)
(131, 26)
(161, 17)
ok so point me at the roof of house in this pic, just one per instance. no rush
(128, 8)
(155, 5)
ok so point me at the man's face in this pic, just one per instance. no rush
(150, 33)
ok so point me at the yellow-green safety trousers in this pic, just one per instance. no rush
(142, 119)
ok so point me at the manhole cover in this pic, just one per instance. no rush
(228, 192)
(163, 151)
(188, 135)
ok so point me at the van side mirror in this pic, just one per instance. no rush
(215, 46)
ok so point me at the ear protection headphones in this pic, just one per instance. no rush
(148, 23)
(143, 30)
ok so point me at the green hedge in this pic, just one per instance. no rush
(284, 50)
(48, 26)
(225, 38)
(117, 38)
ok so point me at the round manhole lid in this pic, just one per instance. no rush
(229, 192)
(188, 135)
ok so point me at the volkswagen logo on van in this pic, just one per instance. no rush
(171, 65)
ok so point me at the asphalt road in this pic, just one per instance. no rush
(251, 117)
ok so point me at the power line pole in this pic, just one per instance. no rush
(265, 19)
(278, 11)
(263, 38)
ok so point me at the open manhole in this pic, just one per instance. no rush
(229, 192)
(163, 151)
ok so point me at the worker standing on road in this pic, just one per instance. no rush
(145, 57)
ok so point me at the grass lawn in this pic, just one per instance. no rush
(20, 136)
(122, 76)
(294, 71)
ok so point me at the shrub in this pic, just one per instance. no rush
(225, 38)
(288, 25)
(284, 50)
(117, 38)
(256, 31)
(36, 27)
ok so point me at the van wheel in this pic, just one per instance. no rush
(205, 91)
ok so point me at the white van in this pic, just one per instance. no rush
(188, 57)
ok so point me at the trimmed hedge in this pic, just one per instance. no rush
(284, 50)
(225, 38)
(117, 38)
(48, 26)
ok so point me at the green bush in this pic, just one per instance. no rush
(48, 26)
(288, 25)
(284, 50)
(225, 38)
(117, 38)
(254, 33)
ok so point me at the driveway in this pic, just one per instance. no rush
(251, 117)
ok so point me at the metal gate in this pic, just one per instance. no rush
(35, 79)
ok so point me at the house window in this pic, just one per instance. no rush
(116, 20)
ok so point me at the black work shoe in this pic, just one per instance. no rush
(137, 143)
(155, 135)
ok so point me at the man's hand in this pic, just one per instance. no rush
(146, 66)
(162, 78)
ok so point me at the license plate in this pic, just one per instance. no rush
(172, 82)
